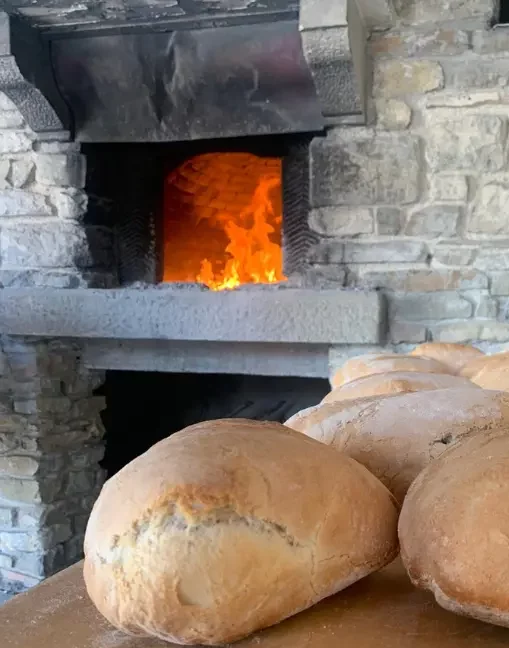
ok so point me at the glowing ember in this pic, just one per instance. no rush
(228, 206)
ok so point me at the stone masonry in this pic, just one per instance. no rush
(416, 203)
(50, 446)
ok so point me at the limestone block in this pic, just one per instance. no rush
(491, 208)
(500, 283)
(384, 251)
(433, 42)
(61, 170)
(361, 167)
(396, 78)
(465, 142)
(469, 74)
(415, 279)
(401, 332)
(14, 142)
(414, 11)
(393, 114)
(434, 221)
(22, 172)
(390, 220)
(449, 188)
(14, 202)
(69, 203)
(18, 466)
(493, 41)
(454, 254)
(430, 306)
(493, 257)
(341, 221)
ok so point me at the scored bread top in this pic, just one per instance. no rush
(375, 363)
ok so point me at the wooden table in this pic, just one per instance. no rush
(382, 611)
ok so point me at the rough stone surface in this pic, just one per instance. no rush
(20, 203)
(458, 142)
(393, 114)
(389, 220)
(430, 306)
(490, 42)
(342, 221)
(433, 11)
(61, 170)
(449, 188)
(434, 221)
(394, 78)
(490, 209)
(384, 251)
(472, 74)
(414, 279)
(454, 254)
(258, 315)
(43, 449)
(410, 42)
(374, 168)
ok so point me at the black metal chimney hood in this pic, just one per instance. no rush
(159, 82)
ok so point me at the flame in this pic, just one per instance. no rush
(251, 251)
(254, 258)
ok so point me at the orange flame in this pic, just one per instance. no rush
(254, 258)
(250, 252)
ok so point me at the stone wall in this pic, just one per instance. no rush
(50, 446)
(416, 204)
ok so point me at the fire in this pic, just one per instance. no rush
(228, 206)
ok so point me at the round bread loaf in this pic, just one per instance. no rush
(373, 363)
(395, 438)
(454, 527)
(396, 383)
(454, 356)
(230, 526)
(484, 364)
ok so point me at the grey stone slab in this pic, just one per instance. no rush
(255, 359)
(250, 315)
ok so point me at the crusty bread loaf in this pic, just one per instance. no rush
(454, 356)
(454, 527)
(395, 383)
(493, 374)
(484, 364)
(395, 438)
(230, 526)
(373, 363)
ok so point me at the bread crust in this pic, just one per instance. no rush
(230, 526)
(485, 364)
(396, 382)
(454, 527)
(396, 438)
(376, 363)
(453, 355)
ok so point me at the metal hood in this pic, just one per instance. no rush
(153, 80)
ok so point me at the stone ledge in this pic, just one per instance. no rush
(255, 359)
(300, 316)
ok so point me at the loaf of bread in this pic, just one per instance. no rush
(454, 527)
(230, 526)
(396, 383)
(395, 438)
(372, 363)
(484, 364)
(493, 373)
(454, 356)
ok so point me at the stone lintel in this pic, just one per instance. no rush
(255, 358)
(279, 315)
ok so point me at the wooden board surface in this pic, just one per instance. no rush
(382, 611)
